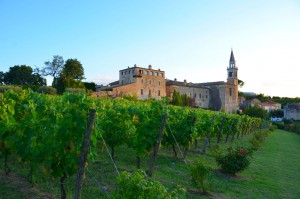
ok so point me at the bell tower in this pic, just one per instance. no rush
(232, 76)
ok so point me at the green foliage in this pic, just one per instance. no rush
(276, 113)
(180, 100)
(75, 90)
(199, 173)
(54, 67)
(256, 111)
(138, 186)
(73, 70)
(90, 86)
(235, 160)
(10, 87)
(22, 75)
(47, 90)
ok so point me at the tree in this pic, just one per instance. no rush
(90, 86)
(70, 76)
(2, 77)
(73, 70)
(241, 83)
(53, 68)
(23, 75)
(256, 111)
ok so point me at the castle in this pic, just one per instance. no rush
(146, 83)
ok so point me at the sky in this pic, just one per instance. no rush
(189, 39)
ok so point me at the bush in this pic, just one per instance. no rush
(258, 138)
(199, 172)
(136, 185)
(75, 90)
(47, 90)
(235, 160)
(8, 87)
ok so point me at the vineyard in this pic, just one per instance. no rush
(46, 133)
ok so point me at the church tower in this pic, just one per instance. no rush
(232, 76)
(232, 85)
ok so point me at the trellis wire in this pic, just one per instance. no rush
(177, 145)
(107, 149)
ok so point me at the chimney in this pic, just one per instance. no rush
(175, 79)
(134, 65)
(150, 67)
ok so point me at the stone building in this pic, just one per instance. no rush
(292, 111)
(213, 95)
(145, 83)
(200, 96)
(148, 83)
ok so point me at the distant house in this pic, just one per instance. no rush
(270, 105)
(249, 103)
(292, 111)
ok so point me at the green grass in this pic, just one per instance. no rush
(273, 172)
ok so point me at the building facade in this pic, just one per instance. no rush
(146, 83)
(213, 95)
(292, 111)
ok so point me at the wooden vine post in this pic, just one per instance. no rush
(157, 144)
(208, 135)
(84, 152)
(221, 130)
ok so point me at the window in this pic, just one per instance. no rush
(156, 74)
(146, 72)
(125, 72)
(122, 73)
(158, 82)
(230, 92)
(195, 95)
(149, 92)
(206, 96)
(129, 72)
(159, 93)
(151, 73)
(142, 92)
(161, 74)
(230, 74)
(141, 71)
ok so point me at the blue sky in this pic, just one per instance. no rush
(188, 39)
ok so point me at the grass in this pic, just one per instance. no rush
(273, 172)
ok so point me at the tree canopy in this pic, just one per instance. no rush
(256, 111)
(22, 75)
(73, 70)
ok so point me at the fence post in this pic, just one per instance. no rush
(157, 144)
(84, 152)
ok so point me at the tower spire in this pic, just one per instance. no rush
(231, 60)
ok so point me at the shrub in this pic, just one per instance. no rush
(199, 172)
(235, 160)
(75, 90)
(9, 87)
(47, 90)
(137, 185)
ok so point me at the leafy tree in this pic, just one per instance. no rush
(276, 113)
(90, 86)
(22, 75)
(73, 70)
(53, 68)
(180, 100)
(256, 111)
(1, 77)
(177, 100)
